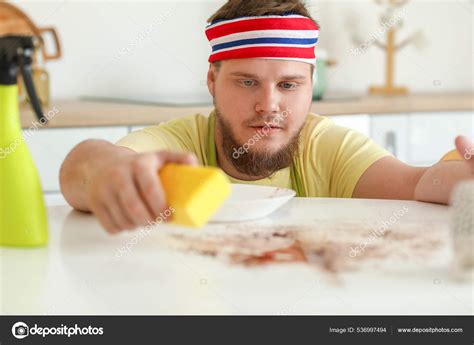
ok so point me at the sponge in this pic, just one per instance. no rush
(452, 156)
(194, 193)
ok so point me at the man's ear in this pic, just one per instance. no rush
(211, 79)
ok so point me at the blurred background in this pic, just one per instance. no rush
(158, 48)
(119, 66)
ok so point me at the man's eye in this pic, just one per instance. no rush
(247, 83)
(288, 86)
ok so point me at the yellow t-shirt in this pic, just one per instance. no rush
(331, 158)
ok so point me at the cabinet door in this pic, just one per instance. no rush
(391, 132)
(360, 123)
(432, 135)
(421, 139)
(49, 147)
(54, 199)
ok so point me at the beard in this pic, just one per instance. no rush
(254, 162)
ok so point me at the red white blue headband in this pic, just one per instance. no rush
(287, 37)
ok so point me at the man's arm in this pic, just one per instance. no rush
(77, 169)
(121, 187)
(389, 178)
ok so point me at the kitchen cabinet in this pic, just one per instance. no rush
(49, 147)
(360, 123)
(420, 139)
(391, 132)
(432, 135)
(54, 198)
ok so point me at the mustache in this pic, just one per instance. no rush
(269, 121)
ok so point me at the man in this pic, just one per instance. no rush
(260, 77)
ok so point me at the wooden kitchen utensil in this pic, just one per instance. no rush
(13, 21)
(393, 20)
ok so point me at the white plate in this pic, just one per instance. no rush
(248, 202)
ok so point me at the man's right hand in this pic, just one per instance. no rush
(121, 187)
(127, 193)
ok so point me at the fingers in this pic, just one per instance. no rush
(151, 191)
(119, 214)
(148, 184)
(132, 205)
(129, 194)
(106, 219)
(109, 211)
(117, 192)
(173, 157)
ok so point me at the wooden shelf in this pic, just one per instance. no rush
(75, 113)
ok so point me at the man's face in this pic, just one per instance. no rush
(261, 106)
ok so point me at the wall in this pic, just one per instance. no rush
(158, 50)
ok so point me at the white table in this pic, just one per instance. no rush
(78, 273)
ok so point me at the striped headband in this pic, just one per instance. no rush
(287, 37)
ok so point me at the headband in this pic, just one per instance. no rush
(287, 37)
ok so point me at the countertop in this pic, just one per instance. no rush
(77, 113)
(79, 271)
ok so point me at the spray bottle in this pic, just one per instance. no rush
(23, 221)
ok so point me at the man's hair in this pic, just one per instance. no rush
(253, 8)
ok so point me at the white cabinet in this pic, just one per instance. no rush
(391, 132)
(432, 135)
(49, 147)
(54, 199)
(421, 139)
(360, 123)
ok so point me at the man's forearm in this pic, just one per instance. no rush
(438, 181)
(80, 165)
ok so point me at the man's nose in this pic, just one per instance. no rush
(267, 101)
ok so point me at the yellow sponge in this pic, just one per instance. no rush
(194, 193)
(452, 156)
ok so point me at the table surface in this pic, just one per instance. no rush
(79, 272)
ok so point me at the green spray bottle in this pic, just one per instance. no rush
(23, 221)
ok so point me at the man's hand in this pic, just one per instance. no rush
(388, 178)
(126, 193)
(120, 186)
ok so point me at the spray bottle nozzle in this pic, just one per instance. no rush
(16, 56)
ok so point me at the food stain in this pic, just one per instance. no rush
(292, 253)
(326, 246)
